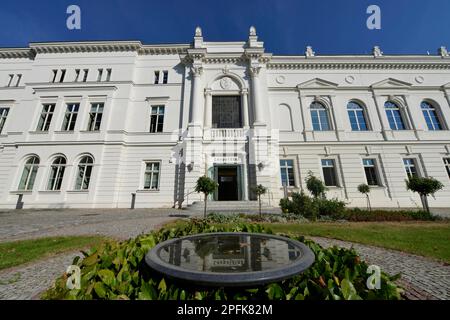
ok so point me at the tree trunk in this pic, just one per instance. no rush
(424, 199)
(206, 200)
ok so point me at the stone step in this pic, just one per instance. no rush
(233, 207)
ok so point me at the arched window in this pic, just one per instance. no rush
(357, 117)
(431, 116)
(56, 174)
(319, 117)
(285, 118)
(84, 173)
(29, 173)
(394, 116)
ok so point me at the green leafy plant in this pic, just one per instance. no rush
(304, 206)
(118, 271)
(365, 190)
(424, 187)
(332, 208)
(206, 186)
(315, 186)
(259, 191)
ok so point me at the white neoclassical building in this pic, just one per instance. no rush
(105, 124)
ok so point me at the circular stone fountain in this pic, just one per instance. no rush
(230, 259)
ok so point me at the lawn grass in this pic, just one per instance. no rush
(18, 252)
(428, 239)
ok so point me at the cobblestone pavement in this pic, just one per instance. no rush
(421, 277)
(116, 223)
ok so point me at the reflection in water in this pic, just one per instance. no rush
(230, 253)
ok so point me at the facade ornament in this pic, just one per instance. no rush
(198, 32)
(226, 70)
(309, 52)
(225, 83)
(377, 52)
(254, 71)
(443, 52)
(197, 71)
(368, 150)
(252, 31)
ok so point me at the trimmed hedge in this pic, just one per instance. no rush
(118, 271)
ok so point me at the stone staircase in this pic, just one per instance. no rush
(230, 207)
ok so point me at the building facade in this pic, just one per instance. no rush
(108, 124)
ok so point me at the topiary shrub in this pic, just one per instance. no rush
(315, 186)
(118, 271)
(424, 187)
(331, 208)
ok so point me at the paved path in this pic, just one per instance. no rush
(30, 280)
(423, 278)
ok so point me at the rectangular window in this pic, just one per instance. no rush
(151, 177)
(63, 75)
(10, 79)
(46, 117)
(287, 173)
(86, 72)
(100, 75)
(329, 172)
(156, 77)
(165, 77)
(19, 77)
(157, 119)
(370, 168)
(55, 73)
(77, 75)
(95, 117)
(226, 112)
(70, 117)
(410, 167)
(446, 163)
(108, 74)
(3, 116)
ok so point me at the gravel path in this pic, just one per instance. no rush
(422, 278)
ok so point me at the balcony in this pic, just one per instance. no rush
(225, 134)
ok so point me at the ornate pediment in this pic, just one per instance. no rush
(317, 84)
(391, 83)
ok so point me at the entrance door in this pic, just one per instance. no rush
(228, 184)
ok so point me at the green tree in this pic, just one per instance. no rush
(365, 189)
(315, 186)
(260, 190)
(206, 186)
(424, 187)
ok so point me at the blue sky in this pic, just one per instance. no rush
(286, 26)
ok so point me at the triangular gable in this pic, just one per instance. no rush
(391, 83)
(317, 84)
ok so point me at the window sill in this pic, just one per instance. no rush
(78, 191)
(17, 192)
(50, 191)
(65, 132)
(39, 132)
(89, 131)
(147, 191)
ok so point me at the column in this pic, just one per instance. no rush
(257, 103)
(385, 127)
(208, 108)
(245, 122)
(196, 119)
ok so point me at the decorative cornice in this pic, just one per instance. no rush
(77, 47)
(16, 53)
(358, 66)
(163, 49)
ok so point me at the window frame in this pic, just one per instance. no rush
(93, 120)
(286, 168)
(34, 168)
(47, 119)
(447, 165)
(335, 169)
(355, 112)
(318, 107)
(389, 110)
(56, 179)
(4, 112)
(69, 121)
(85, 165)
(376, 170)
(158, 117)
(165, 77)
(436, 113)
(157, 75)
(151, 173)
(415, 165)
